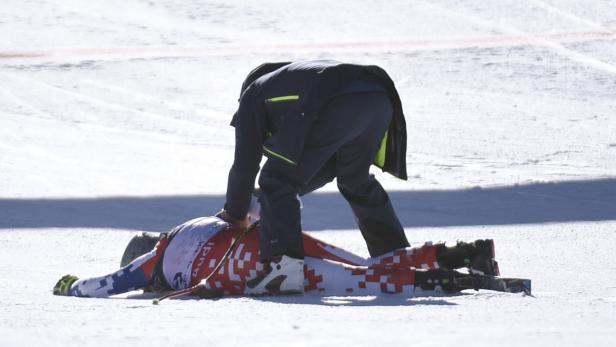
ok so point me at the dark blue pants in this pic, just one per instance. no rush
(342, 145)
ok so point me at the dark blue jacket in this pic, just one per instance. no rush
(279, 102)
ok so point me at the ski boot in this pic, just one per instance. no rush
(280, 275)
(477, 256)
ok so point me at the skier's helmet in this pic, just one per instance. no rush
(139, 245)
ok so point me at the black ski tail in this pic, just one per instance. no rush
(499, 284)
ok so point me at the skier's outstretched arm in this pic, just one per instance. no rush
(135, 275)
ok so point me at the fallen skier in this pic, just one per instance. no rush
(190, 252)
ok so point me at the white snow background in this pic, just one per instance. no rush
(114, 119)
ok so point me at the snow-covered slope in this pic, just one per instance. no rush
(114, 118)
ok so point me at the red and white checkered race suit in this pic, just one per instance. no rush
(328, 270)
(190, 253)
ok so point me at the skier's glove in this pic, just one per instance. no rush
(63, 287)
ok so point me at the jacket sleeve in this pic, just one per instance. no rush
(250, 128)
(136, 275)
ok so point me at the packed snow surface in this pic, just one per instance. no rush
(114, 119)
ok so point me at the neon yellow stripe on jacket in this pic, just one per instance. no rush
(379, 160)
(283, 98)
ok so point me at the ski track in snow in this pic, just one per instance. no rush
(512, 30)
(567, 14)
(114, 117)
(108, 104)
(149, 98)
(515, 38)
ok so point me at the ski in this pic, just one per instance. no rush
(499, 284)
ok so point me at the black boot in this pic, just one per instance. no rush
(478, 256)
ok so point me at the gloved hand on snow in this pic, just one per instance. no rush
(63, 287)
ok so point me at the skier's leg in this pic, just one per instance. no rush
(424, 257)
(319, 249)
(326, 277)
(477, 255)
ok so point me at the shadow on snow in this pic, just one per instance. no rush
(434, 299)
(570, 201)
(418, 299)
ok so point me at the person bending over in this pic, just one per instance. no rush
(315, 121)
